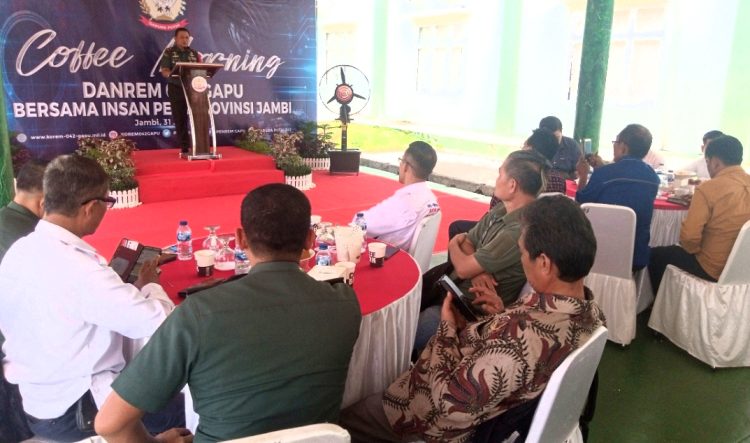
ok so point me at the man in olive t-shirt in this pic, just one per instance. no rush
(488, 255)
(263, 352)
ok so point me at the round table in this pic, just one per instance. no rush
(666, 221)
(389, 299)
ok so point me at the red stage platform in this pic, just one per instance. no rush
(163, 176)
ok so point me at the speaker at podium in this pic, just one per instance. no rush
(194, 80)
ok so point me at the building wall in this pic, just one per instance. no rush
(676, 66)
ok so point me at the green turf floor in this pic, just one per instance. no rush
(653, 391)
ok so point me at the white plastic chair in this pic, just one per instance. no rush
(611, 278)
(318, 433)
(423, 241)
(707, 319)
(556, 417)
(549, 194)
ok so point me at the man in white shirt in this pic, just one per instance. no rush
(699, 164)
(65, 312)
(395, 219)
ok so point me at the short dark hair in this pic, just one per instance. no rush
(637, 138)
(727, 149)
(557, 227)
(423, 158)
(710, 135)
(70, 180)
(529, 169)
(551, 123)
(544, 142)
(31, 176)
(276, 220)
(178, 30)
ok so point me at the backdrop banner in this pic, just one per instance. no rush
(79, 68)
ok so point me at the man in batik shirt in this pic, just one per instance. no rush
(469, 374)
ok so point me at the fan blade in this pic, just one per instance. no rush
(331, 99)
(343, 77)
(358, 96)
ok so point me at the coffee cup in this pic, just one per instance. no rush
(204, 258)
(348, 271)
(376, 252)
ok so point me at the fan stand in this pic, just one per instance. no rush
(345, 161)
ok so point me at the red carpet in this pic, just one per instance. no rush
(336, 198)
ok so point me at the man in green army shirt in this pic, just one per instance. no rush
(263, 352)
(180, 52)
(20, 217)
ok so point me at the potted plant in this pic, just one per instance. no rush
(115, 158)
(314, 145)
(252, 140)
(284, 151)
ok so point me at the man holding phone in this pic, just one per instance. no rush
(627, 181)
(472, 372)
(568, 153)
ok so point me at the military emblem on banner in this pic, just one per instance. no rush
(157, 12)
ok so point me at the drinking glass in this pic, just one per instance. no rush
(212, 242)
(225, 256)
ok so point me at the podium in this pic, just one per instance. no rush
(194, 79)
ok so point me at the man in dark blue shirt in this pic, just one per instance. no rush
(569, 151)
(628, 181)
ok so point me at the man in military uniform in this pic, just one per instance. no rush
(180, 52)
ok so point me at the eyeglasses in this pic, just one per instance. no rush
(108, 200)
(615, 142)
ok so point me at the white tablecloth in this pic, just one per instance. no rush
(665, 226)
(383, 349)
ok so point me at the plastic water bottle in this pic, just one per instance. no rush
(362, 223)
(324, 256)
(184, 241)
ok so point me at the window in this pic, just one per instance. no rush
(633, 70)
(440, 58)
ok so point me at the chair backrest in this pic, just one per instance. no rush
(563, 399)
(614, 228)
(423, 241)
(318, 433)
(738, 263)
(548, 194)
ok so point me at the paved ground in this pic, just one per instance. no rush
(473, 174)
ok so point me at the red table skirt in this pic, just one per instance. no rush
(375, 287)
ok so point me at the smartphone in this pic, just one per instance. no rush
(587, 148)
(460, 301)
(147, 253)
(205, 284)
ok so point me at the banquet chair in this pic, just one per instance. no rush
(318, 433)
(560, 405)
(548, 194)
(423, 241)
(707, 319)
(611, 278)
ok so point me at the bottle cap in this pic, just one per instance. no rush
(183, 223)
(360, 214)
(323, 246)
